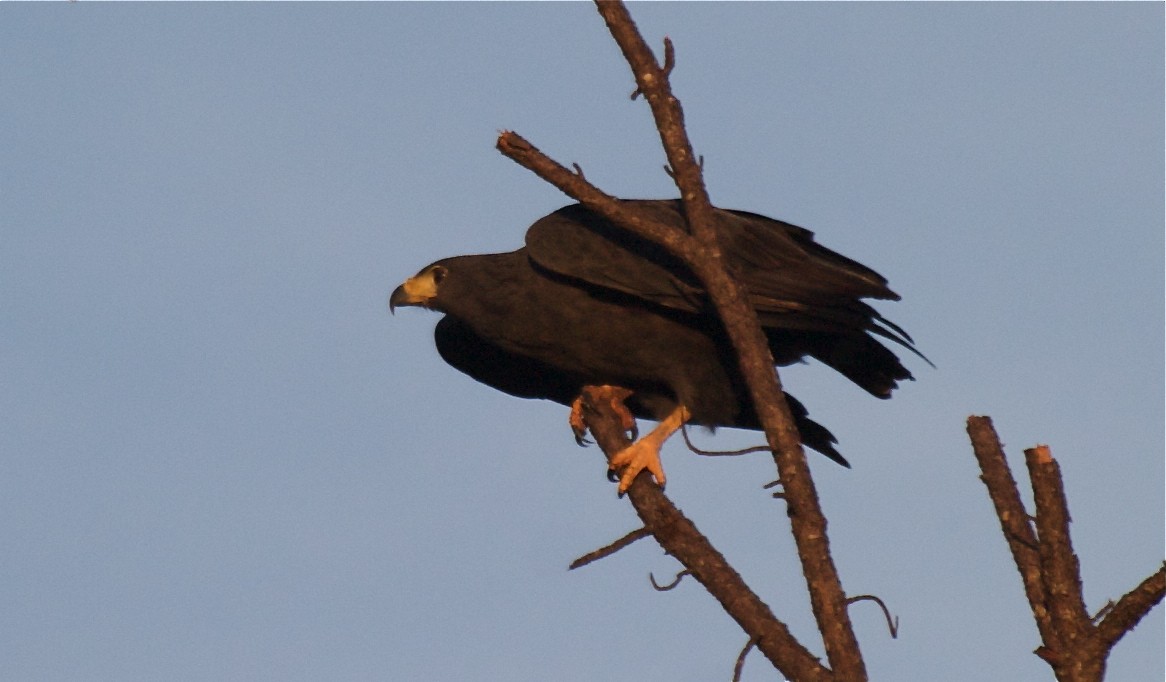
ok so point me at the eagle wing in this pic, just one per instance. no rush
(807, 297)
(793, 282)
(578, 244)
(509, 372)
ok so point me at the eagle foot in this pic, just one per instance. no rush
(615, 396)
(629, 462)
(645, 453)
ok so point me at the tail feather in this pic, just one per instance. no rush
(814, 435)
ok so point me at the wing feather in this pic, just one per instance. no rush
(795, 284)
(575, 243)
(803, 284)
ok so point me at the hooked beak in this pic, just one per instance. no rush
(399, 297)
(418, 291)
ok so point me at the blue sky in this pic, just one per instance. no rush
(222, 459)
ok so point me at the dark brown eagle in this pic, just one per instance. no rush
(586, 303)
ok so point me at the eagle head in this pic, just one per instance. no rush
(420, 289)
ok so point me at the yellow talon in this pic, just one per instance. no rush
(645, 453)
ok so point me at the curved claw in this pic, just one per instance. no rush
(578, 426)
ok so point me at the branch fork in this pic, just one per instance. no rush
(1074, 643)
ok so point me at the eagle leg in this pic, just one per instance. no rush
(615, 396)
(645, 453)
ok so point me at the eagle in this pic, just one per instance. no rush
(587, 303)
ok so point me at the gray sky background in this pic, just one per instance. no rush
(222, 459)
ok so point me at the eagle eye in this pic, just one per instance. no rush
(439, 274)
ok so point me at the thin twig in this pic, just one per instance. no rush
(892, 625)
(719, 453)
(1102, 612)
(670, 586)
(1025, 541)
(608, 550)
(779, 495)
(669, 63)
(741, 658)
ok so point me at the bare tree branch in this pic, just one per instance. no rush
(1059, 568)
(525, 154)
(681, 539)
(1075, 648)
(701, 253)
(827, 598)
(1014, 519)
(1131, 608)
(608, 550)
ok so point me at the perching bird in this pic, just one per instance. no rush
(587, 303)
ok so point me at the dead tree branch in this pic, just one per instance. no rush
(680, 538)
(608, 550)
(518, 149)
(699, 250)
(1059, 568)
(1073, 645)
(1014, 519)
(1132, 607)
(827, 598)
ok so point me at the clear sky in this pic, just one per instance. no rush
(222, 459)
